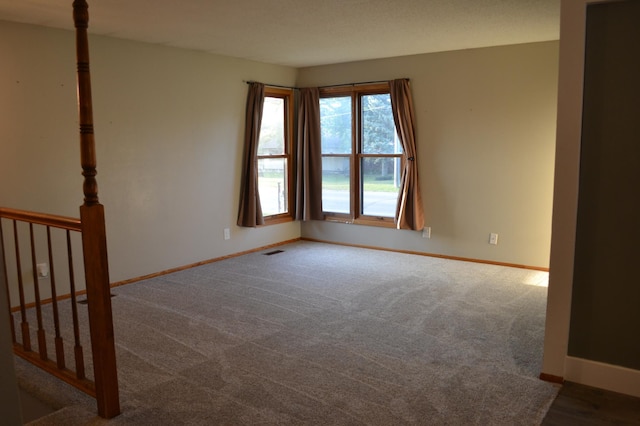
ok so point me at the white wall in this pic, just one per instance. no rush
(486, 136)
(169, 130)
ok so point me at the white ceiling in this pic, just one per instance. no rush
(306, 32)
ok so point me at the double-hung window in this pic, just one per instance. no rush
(274, 155)
(361, 154)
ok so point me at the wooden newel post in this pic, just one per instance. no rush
(94, 241)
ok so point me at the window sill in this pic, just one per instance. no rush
(362, 221)
(375, 222)
(274, 220)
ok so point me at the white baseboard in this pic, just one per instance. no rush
(601, 375)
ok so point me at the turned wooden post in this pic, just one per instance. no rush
(94, 241)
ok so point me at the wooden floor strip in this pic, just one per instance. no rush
(584, 405)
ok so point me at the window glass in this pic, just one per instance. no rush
(272, 128)
(380, 184)
(378, 129)
(274, 152)
(272, 185)
(336, 127)
(336, 184)
(337, 144)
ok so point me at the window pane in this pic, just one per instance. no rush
(378, 129)
(336, 184)
(381, 181)
(335, 125)
(272, 185)
(272, 128)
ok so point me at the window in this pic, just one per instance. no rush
(274, 156)
(361, 154)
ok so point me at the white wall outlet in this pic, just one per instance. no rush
(493, 238)
(426, 232)
(43, 270)
(227, 234)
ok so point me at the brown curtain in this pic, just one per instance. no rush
(250, 211)
(309, 158)
(409, 213)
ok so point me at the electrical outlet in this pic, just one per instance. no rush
(227, 234)
(493, 238)
(426, 232)
(43, 270)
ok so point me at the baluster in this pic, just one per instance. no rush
(42, 338)
(4, 282)
(79, 357)
(54, 301)
(24, 324)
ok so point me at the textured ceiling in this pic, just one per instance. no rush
(306, 32)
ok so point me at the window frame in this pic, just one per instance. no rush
(356, 215)
(288, 97)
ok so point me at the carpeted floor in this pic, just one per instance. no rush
(323, 334)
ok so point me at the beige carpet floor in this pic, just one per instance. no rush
(323, 334)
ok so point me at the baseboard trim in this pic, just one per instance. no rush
(204, 262)
(440, 256)
(600, 375)
(551, 378)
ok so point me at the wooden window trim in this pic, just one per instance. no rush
(356, 92)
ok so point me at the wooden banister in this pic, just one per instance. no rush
(94, 240)
(91, 226)
(22, 346)
(85, 103)
(56, 221)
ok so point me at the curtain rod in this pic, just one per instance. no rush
(360, 83)
(272, 85)
(324, 87)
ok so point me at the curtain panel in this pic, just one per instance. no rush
(409, 210)
(250, 210)
(309, 157)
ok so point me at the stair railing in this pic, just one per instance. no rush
(91, 227)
